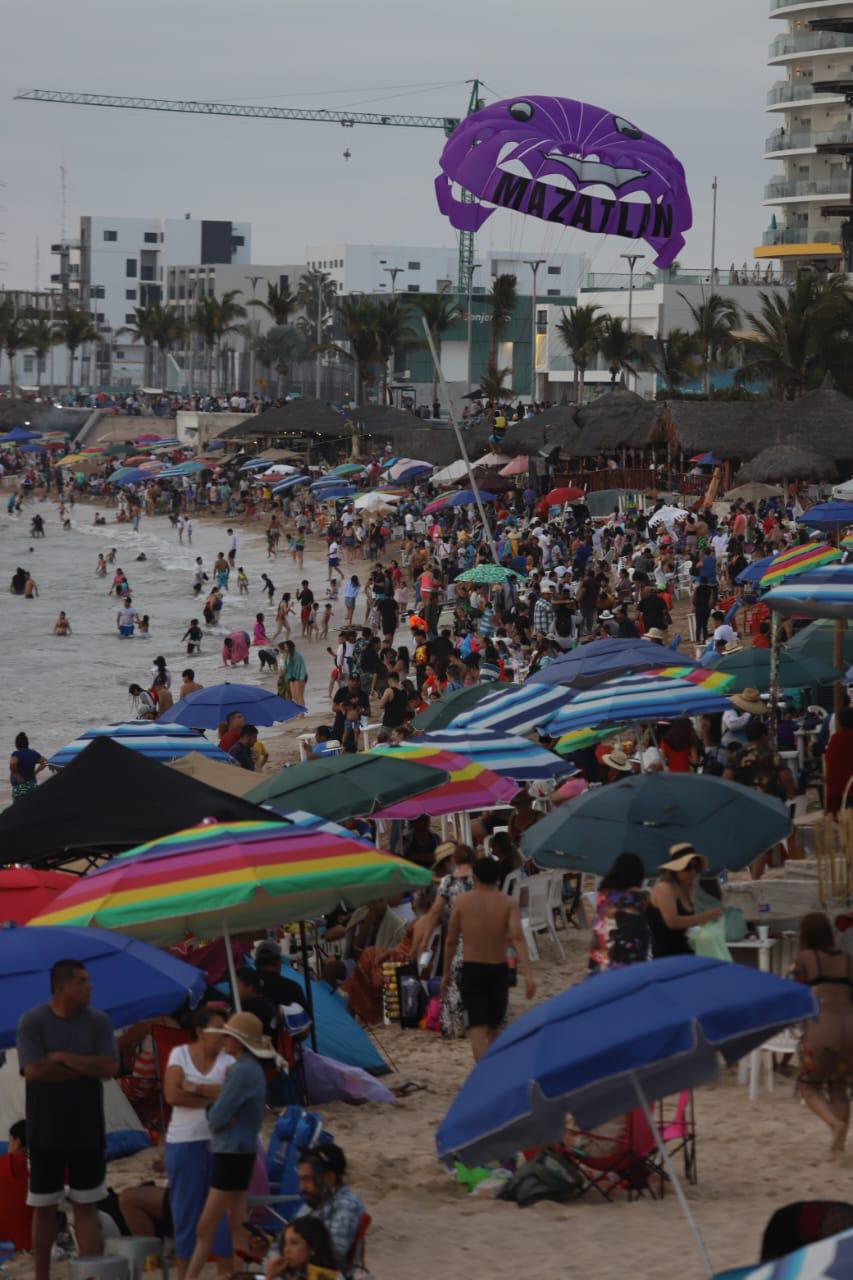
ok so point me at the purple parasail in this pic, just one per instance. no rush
(566, 162)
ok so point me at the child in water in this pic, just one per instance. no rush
(62, 627)
(143, 626)
(242, 581)
(193, 636)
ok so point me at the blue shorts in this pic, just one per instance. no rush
(126, 631)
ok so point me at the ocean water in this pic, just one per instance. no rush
(54, 687)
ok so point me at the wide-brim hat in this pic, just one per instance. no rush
(249, 1030)
(680, 857)
(606, 616)
(654, 633)
(749, 700)
(618, 760)
(443, 851)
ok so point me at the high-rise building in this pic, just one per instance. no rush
(811, 139)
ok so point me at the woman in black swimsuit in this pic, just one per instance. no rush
(826, 1050)
(671, 912)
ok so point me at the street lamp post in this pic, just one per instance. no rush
(254, 281)
(632, 259)
(393, 272)
(472, 267)
(534, 264)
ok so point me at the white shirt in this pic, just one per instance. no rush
(233, 542)
(720, 543)
(333, 551)
(724, 632)
(189, 1124)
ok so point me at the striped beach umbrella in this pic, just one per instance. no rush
(811, 555)
(150, 738)
(470, 785)
(666, 692)
(234, 876)
(488, 574)
(514, 708)
(821, 593)
(505, 753)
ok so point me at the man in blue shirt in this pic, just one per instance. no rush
(24, 766)
(321, 1185)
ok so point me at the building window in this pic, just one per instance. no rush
(382, 261)
(237, 242)
(130, 295)
(553, 293)
(99, 317)
(28, 364)
(553, 271)
(129, 317)
(111, 235)
(147, 273)
(130, 268)
(150, 237)
(413, 266)
(98, 291)
(119, 355)
(171, 293)
(413, 288)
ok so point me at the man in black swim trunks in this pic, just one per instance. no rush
(489, 923)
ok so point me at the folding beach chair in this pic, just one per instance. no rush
(625, 1155)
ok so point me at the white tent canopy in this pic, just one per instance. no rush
(844, 492)
(449, 475)
(119, 1114)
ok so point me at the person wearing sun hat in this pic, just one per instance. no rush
(235, 1120)
(671, 912)
(749, 702)
(617, 763)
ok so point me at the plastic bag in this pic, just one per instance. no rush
(710, 940)
(329, 1081)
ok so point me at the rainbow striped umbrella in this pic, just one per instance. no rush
(239, 875)
(822, 593)
(811, 555)
(471, 785)
(663, 692)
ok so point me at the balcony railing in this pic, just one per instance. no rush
(784, 190)
(784, 141)
(814, 42)
(801, 235)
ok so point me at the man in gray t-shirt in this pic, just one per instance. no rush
(66, 1049)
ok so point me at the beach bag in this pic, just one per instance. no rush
(327, 1080)
(710, 940)
(548, 1176)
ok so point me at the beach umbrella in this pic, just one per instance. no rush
(667, 516)
(340, 787)
(626, 1038)
(820, 593)
(557, 497)
(374, 503)
(490, 460)
(25, 891)
(646, 813)
(706, 460)
(505, 753)
(600, 660)
(18, 435)
(439, 714)
(279, 469)
(517, 467)
(209, 707)
(147, 437)
(130, 980)
(755, 571)
(462, 498)
(469, 785)
(827, 515)
(130, 475)
(753, 492)
(514, 708)
(487, 574)
(150, 738)
(404, 470)
(751, 670)
(254, 464)
(347, 469)
(817, 642)
(450, 474)
(663, 693)
(333, 492)
(290, 483)
(828, 1259)
(788, 564)
(224, 876)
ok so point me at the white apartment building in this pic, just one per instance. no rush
(811, 132)
(371, 268)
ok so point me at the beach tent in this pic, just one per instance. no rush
(338, 1034)
(224, 777)
(101, 802)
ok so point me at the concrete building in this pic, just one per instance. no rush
(366, 268)
(811, 135)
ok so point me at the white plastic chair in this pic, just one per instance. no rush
(433, 946)
(515, 885)
(785, 1045)
(487, 845)
(537, 909)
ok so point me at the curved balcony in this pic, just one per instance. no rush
(809, 189)
(800, 235)
(781, 141)
(776, 6)
(790, 45)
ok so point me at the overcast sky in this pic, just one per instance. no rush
(693, 74)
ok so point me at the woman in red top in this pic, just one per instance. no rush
(679, 747)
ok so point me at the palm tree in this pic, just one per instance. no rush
(279, 304)
(73, 328)
(581, 330)
(279, 348)
(619, 347)
(502, 299)
(212, 320)
(12, 338)
(144, 329)
(492, 385)
(393, 330)
(315, 286)
(358, 318)
(800, 335)
(169, 330)
(40, 337)
(715, 319)
(675, 358)
(441, 311)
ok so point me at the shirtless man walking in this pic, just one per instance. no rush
(488, 922)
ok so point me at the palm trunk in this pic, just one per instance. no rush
(12, 374)
(279, 384)
(575, 382)
(164, 367)
(210, 369)
(581, 373)
(71, 369)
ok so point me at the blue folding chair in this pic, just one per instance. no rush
(296, 1130)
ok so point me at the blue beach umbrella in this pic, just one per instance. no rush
(514, 709)
(817, 593)
(755, 571)
(830, 1259)
(150, 738)
(132, 475)
(208, 707)
(622, 1039)
(334, 492)
(601, 660)
(130, 980)
(18, 435)
(649, 696)
(504, 753)
(254, 464)
(290, 483)
(827, 515)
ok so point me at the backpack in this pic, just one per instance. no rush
(548, 1176)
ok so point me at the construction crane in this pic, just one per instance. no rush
(346, 119)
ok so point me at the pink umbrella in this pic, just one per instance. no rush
(517, 467)
(149, 438)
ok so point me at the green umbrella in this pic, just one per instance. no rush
(817, 642)
(119, 450)
(439, 714)
(751, 670)
(339, 787)
(488, 573)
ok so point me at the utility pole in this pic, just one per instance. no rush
(713, 231)
(534, 264)
(254, 281)
(393, 272)
(632, 259)
(319, 335)
(472, 267)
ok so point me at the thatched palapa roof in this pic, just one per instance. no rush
(792, 460)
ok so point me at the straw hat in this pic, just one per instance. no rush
(748, 700)
(547, 585)
(618, 760)
(249, 1030)
(654, 633)
(606, 616)
(680, 857)
(445, 850)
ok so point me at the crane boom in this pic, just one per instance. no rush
(320, 115)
